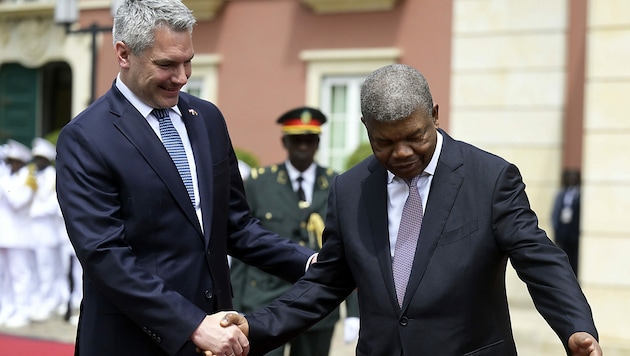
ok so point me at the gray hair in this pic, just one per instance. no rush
(136, 21)
(394, 92)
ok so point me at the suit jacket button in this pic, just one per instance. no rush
(208, 294)
(404, 321)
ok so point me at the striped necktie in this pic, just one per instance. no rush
(173, 144)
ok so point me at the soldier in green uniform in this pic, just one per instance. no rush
(290, 198)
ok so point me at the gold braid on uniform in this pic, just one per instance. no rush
(315, 228)
(31, 179)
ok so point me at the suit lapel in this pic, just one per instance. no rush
(285, 190)
(199, 141)
(320, 189)
(444, 189)
(374, 196)
(137, 130)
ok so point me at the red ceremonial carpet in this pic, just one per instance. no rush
(22, 346)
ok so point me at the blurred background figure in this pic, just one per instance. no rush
(5, 286)
(565, 216)
(44, 232)
(290, 198)
(70, 280)
(244, 168)
(17, 188)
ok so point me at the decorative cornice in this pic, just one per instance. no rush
(344, 6)
(11, 11)
(204, 9)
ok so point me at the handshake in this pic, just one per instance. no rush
(222, 334)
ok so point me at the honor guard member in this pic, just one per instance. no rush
(290, 198)
(17, 188)
(44, 214)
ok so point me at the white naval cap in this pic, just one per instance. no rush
(18, 151)
(44, 148)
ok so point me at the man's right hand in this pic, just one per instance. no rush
(221, 334)
(233, 318)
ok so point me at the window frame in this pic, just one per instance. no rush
(324, 66)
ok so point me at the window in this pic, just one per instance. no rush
(194, 87)
(341, 104)
(203, 81)
(333, 84)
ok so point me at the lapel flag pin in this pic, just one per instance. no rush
(193, 112)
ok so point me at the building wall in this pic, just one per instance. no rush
(261, 73)
(518, 88)
(507, 96)
(606, 187)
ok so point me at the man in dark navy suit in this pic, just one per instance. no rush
(153, 201)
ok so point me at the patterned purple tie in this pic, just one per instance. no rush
(407, 239)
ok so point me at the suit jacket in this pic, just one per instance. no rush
(151, 273)
(272, 199)
(476, 218)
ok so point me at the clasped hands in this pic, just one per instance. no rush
(222, 334)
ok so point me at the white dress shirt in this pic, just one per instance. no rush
(397, 193)
(309, 179)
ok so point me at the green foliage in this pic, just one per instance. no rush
(360, 153)
(52, 137)
(246, 157)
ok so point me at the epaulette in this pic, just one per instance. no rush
(262, 170)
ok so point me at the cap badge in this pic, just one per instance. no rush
(306, 117)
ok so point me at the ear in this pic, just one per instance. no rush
(122, 54)
(285, 142)
(436, 120)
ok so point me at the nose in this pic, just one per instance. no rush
(402, 151)
(180, 75)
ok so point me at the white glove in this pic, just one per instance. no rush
(350, 329)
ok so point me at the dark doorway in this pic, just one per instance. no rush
(34, 101)
(56, 98)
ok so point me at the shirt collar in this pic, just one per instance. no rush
(144, 109)
(294, 172)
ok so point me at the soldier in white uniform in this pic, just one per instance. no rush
(6, 308)
(17, 189)
(45, 233)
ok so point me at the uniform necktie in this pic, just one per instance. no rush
(300, 191)
(407, 239)
(173, 144)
